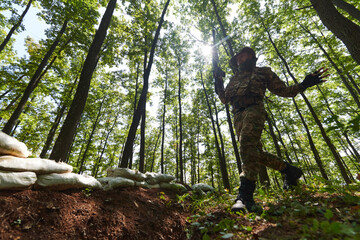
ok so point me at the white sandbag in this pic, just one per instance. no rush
(173, 186)
(16, 180)
(55, 181)
(154, 178)
(104, 180)
(142, 184)
(37, 165)
(119, 182)
(202, 187)
(11, 146)
(126, 173)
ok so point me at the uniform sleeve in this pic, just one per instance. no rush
(278, 87)
(222, 96)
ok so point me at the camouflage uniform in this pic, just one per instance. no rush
(245, 92)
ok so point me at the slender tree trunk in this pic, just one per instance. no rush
(154, 152)
(12, 30)
(163, 127)
(9, 90)
(273, 136)
(180, 128)
(60, 113)
(342, 77)
(142, 100)
(33, 82)
(338, 123)
(311, 142)
(229, 121)
(98, 161)
(64, 140)
(134, 107)
(228, 40)
(279, 133)
(222, 161)
(350, 9)
(314, 115)
(346, 30)
(142, 141)
(91, 136)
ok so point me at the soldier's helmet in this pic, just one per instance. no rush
(243, 50)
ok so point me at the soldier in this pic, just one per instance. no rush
(245, 92)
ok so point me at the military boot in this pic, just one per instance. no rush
(245, 199)
(292, 175)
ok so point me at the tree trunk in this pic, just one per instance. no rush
(314, 115)
(12, 30)
(51, 134)
(142, 141)
(142, 100)
(311, 142)
(64, 140)
(225, 36)
(91, 136)
(346, 30)
(180, 129)
(163, 127)
(98, 161)
(222, 161)
(33, 82)
(154, 152)
(350, 9)
(228, 116)
(342, 77)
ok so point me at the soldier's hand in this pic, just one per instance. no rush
(315, 78)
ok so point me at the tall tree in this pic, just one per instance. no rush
(142, 100)
(346, 30)
(64, 140)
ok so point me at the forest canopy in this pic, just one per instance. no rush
(130, 83)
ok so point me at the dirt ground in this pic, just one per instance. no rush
(128, 213)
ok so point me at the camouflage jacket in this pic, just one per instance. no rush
(254, 84)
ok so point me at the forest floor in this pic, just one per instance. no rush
(310, 212)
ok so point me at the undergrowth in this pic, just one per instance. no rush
(316, 211)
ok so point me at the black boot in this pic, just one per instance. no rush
(245, 198)
(292, 174)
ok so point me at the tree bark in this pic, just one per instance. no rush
(222, 162)
(12, 30)
(346, 30)
(163, 127)
(342, 77)
(91, 136)
(64, 140)
(181, 169)
(142, 99)
(33, 82)
(350, 9)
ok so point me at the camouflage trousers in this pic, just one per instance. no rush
(249, 124)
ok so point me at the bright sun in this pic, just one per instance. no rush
(206, 50)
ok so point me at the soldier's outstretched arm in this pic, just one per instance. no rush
(278, 87)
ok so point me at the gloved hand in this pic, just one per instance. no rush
(314, 78)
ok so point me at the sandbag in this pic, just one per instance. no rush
(37, 165)
(119, 182)
(173, 186)
(55, 181)
(16, 180)
(126, 173)
(202, 187)
(154, 178)
(11, 146)
(142, 184)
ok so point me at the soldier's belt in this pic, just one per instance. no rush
(243, 102)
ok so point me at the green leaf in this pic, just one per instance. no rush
(228, 235)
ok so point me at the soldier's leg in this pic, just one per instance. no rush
(292, 173)
(248, 126)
